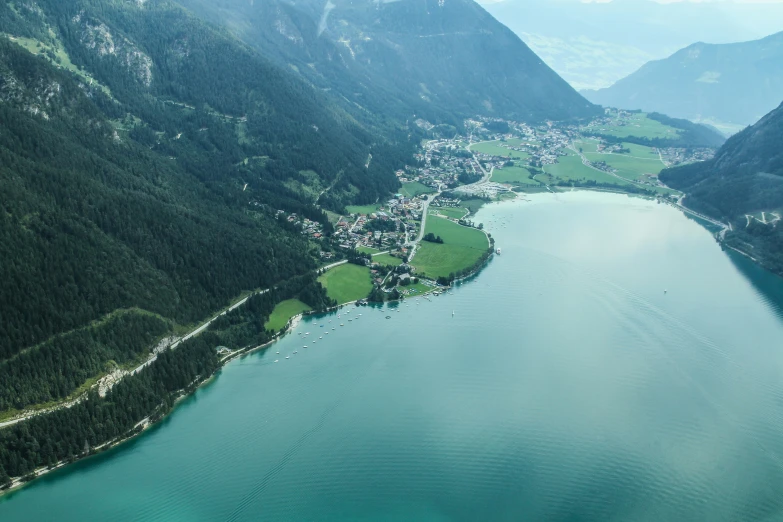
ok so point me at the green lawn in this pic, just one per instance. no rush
(638, 125)
(517, 175)
(628, 166)
(283, 312)
(499, 148)
(461, 248)
(362, 209)
(332, 216)
(386, 259)
(415, 289)
(473, 204)
(454, 213)
(367, 250)
(587, 145)
(414, 188)
(571, 168)
(346, 283)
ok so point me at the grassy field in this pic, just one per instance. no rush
(454, 213)
(571, 168)
(517, 175)
(362, 209)
(587, 145)
(631, 167)
(473, 204)
(367, 250)
(415, 289)
(347, 282)
(638, 125)
(386, 259)
(461, 248)
(283, 312)
(496, 148)
(415, 188)
(332, 216)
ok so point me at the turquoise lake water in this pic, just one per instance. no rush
(566, 387)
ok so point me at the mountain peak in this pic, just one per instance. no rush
(701, 82)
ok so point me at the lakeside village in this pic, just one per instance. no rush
(452, 177)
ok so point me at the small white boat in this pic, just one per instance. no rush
(305, 346)
(278, 353)
(321, 337)
(327, 333)
(313, 342)
(332, 327)
(287, 357)
(275, 360)
(341, 324)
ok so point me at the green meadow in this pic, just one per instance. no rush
(283, 312)
(461, 248)
(638, 125)
(414, 188)
(386, 259)
(500, 148)
(362, 209)
(346, 283)
(516, 175)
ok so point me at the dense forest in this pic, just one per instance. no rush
(744, 179)
(74, 432)
(70, 433)
(144, 156)
(380, 57)
(244, 326)
(54, 369)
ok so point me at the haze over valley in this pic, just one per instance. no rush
(408, 260)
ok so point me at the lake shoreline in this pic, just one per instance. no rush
(18, 483)
(143, 425)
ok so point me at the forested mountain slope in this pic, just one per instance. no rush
(742, 184)
(142, 158)
(734, 83)
(441, 61)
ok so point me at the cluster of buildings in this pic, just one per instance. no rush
(673, 156)
(391, 227)
(312, 229)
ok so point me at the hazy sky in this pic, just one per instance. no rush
(593, 43)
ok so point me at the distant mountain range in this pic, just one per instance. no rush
(594, 44)
(733, 84)
(440, 61)
(743, 185)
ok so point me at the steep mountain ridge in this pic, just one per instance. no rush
(143, 156)
(441, 61)
(742, 184)
(728, 83)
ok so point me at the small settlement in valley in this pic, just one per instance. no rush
(424, 237)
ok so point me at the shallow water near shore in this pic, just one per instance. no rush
(560, 383)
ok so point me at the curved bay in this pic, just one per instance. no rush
(567, 386)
